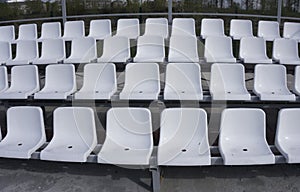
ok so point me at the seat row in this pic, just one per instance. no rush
(183, 136)
(142, 82)
(239, 28)
(252, 50)
(130, 28)
(149, 49)
(98, 29)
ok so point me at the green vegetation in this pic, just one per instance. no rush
(36, 8)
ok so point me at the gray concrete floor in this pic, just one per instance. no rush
(37, 176)
(274, 178)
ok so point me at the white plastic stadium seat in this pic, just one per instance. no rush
(3, 79)
(25, 132)
(240, 28)
(100, 29)
(183, 26)
(183, 138)
(27, 32)
(296, 87)
(183, 82)
(270, 83)
(291, 30)
(212, 27)
(253, 50)
(53, 51)
(141, 82)
(74, 135)
(150, 49)
(129, 28)
(50, 30)
(99, 81)
(286, 51)
(7, 33)
(27, 52)
(287, 134)
(157, 27)
(73, 30)
(227, 82)
(59, 83)
(24, 82)
(218, 49)
(183, 49)
(83, 50)
(242, 139)
(128, 137)
(269, 30)
(116, 49)
(5, 50)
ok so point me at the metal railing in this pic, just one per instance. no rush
(169, 14)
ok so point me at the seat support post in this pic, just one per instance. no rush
(155, 171)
